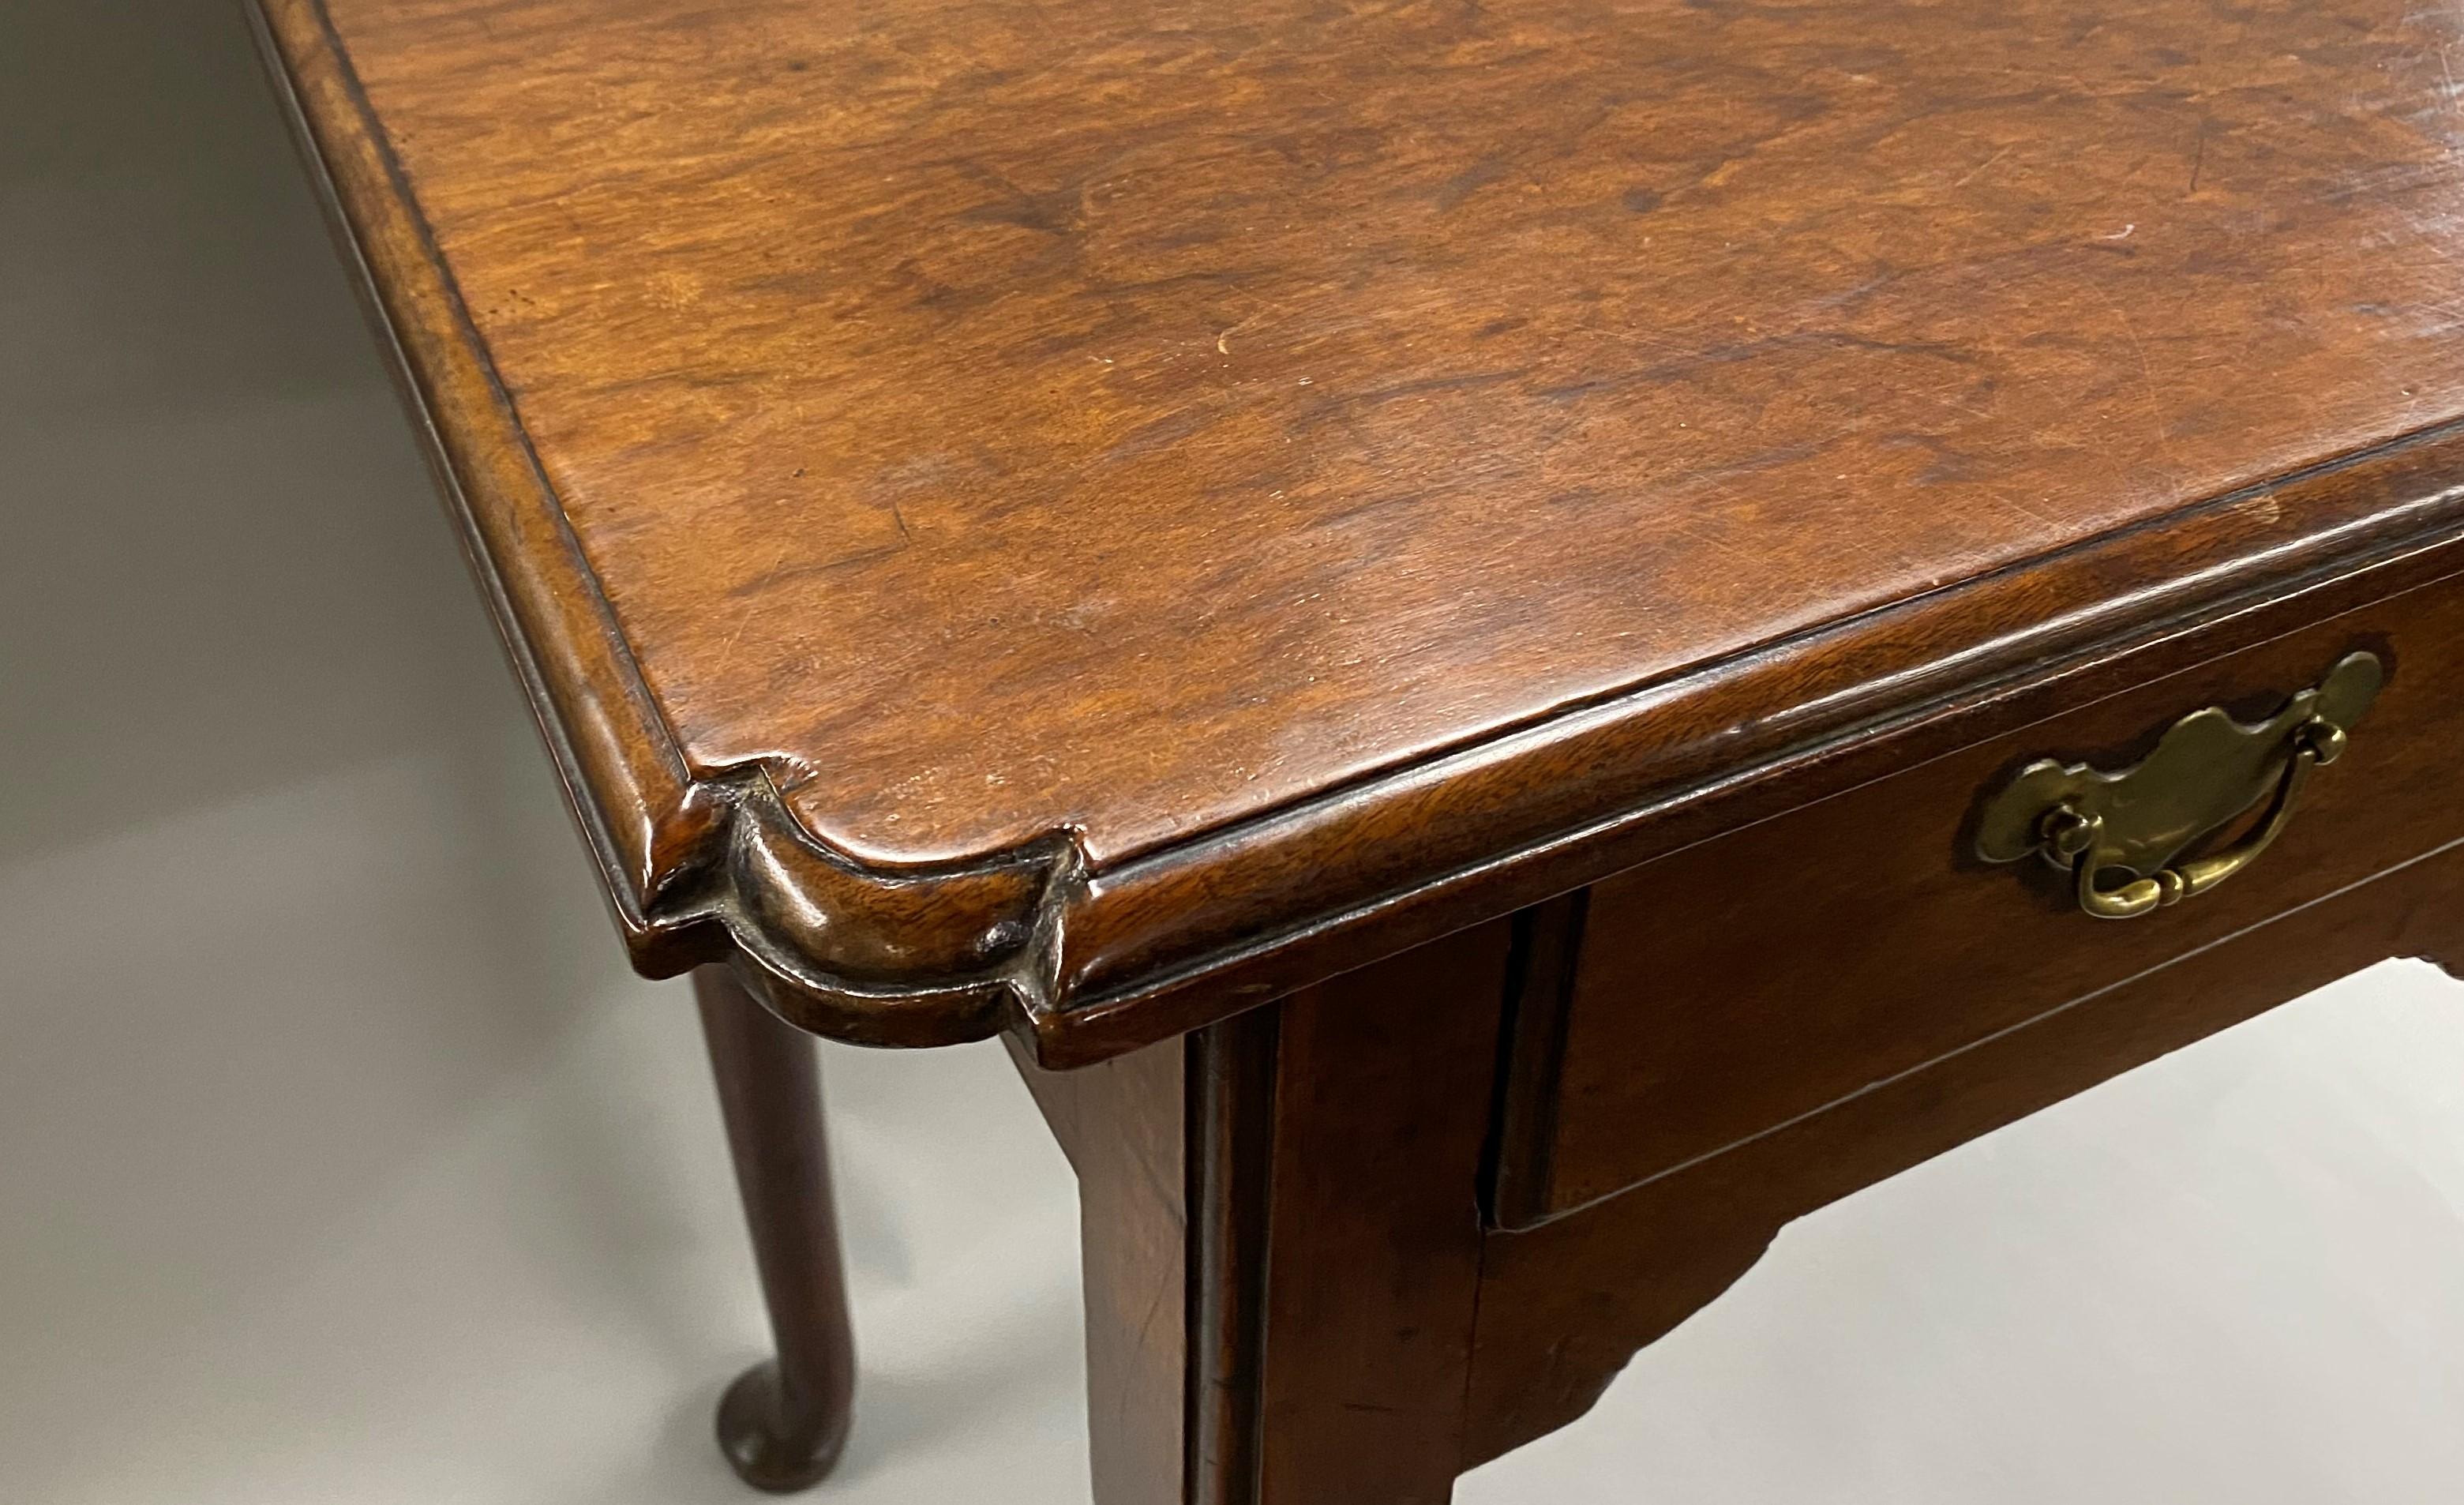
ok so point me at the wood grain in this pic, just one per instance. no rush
(783, 1422)
(969, 403)
(1563, 1306)
(1234, 1068)
(1133, 1213)
(1739, 984)
(1373, 1226)
(1055, 519)
(1548, 956)
(1119, 522)
(1283, 1235)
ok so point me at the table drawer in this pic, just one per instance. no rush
(1725, 989)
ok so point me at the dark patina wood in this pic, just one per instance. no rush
(1151, 1136)
(783, 1423)
(1298, 1303)
(1563, 1306)
(990, 555)
(1423, 597)
(1757, 977)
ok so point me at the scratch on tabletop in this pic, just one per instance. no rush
(1981, 168)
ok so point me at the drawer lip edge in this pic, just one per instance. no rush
(1104, 988)
(1540, 1214)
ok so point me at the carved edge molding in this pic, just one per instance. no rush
(706, 865)
(701, 865)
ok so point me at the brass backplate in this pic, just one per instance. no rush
(2205, 770)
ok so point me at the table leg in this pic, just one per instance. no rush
(1283, 1236)
(782, 1422)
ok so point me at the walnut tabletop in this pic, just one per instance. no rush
(1513, 642)
(1059, 515)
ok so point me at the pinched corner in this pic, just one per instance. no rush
(702, 865)
(923, 956)
(709, 865)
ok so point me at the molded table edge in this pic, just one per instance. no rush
(706, 865)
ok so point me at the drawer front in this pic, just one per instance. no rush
(1724, 990)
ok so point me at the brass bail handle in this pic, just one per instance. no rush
(2074, 838)
(2204, 773)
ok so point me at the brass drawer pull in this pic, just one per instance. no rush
(2207, 769)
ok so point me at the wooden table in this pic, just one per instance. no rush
(1502, 639)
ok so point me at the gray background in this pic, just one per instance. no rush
(341, 1160)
